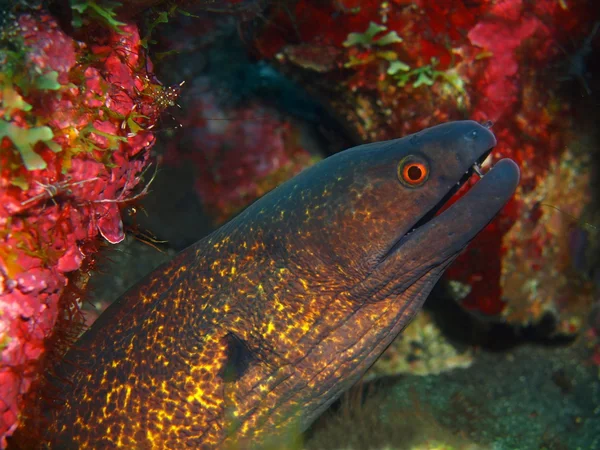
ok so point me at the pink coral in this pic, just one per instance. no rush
(74, 149)
(239, 154)
(501, 35)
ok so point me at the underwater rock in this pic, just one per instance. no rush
(75, 130)
(238, 153)
(421, 349)
(238, 131)
(539, 270)
(533, 397)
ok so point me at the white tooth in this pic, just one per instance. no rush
(477, 170)
(487, 163)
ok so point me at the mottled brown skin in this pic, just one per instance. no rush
(255, 330)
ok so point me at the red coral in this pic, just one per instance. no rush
(239, 154)
(501, 35)
(98, 114)
(528, 131)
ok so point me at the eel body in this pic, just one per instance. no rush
(250, 334)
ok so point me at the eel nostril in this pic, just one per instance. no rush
(472, 135)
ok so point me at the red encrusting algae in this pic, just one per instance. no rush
(76, 125)
(238, 153)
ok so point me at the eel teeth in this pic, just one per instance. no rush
(477, 170)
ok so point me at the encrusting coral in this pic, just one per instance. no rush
(76, 123)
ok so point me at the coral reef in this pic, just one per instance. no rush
(237, 128)
(388, 68)
(538, 273)
(75, 130)
(239, 154)
(421, 349)
(78, 116)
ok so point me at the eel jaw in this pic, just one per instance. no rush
(475, 169)
(449, 232)
(438, 239)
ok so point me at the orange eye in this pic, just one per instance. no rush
(413, 171)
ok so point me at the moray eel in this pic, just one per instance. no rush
(251, 333)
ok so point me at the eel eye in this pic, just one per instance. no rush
(413, 171)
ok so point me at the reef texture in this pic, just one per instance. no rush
(75, 130)
(540, 268)
(242, 8)
(239, 153)
(421, 349)
(388, 68)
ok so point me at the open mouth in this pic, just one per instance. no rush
(475, 170)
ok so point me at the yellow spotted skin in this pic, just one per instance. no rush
(255, 330)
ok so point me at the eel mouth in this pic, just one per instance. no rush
(476, 169)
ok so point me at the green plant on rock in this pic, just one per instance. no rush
(18, 79)
(102, 12)
(85, 142)
(426, 75)
(367, 39)
(24, 139)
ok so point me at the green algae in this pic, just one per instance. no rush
(48, 82)
(12, 101)
(104, 14)
(368, 37)
(25, 139)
